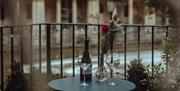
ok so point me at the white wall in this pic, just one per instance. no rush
(93, 9)
(74, 11)
(38, 11)
(150, 19)
(130, 20)
(58, 14)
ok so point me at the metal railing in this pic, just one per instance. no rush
(48, 29)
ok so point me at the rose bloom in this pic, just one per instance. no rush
(105, 28)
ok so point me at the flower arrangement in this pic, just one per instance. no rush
(105, 39)
(108, 36)
(108, 31)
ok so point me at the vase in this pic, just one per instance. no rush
(101, 73)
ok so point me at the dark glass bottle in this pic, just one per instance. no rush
(86, 59)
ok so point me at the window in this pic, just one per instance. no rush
(126, 10)
(101, 8)
(2, 12)
(29, 10)
(82, 11)
(66, 11)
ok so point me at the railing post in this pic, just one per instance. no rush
(167, 58)
(99, 45)
(139, 42)
(61, 50)
(1, 58)
(125, 50)
(31, 57)
(31, 31)
(40, 48)
(48, 41)
(152, 51)
(12, 47)
(22, 51)
(73, 36)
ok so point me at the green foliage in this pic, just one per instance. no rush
(142, 77)
(152, 5)
(156, 3)
(157, 81)
(165, 80)
(168, 47)
(161, 80)
(137, 74)
(16, 80)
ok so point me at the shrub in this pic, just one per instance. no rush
(16, 80)
(137, 74)
(161, 80)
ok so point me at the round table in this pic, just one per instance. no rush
(72, 84)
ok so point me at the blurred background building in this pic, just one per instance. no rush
(78, 11)
(26, 42)
(20, 12)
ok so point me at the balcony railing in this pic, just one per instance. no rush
(39, 37)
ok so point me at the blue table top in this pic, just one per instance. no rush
(72, 84)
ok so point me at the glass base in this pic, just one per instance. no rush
(102, 79)
(84, 84)
(112, 84)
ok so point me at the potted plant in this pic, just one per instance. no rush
(171, 58)
(137, 74)
(168, 49)
(16, 80)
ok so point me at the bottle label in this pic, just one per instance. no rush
(89, 70)
(88, 74)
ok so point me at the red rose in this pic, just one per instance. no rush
(105, 28)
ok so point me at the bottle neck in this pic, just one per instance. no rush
(86, 55)
(86, 44)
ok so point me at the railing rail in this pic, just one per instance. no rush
(61, 43)
(88, 24)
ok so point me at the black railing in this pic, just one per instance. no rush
(48, 30)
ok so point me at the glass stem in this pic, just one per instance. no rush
(84, 77)
(111, 73)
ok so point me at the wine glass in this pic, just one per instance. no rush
(111, 66)
(84, 66)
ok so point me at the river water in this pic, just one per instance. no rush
(146, 57)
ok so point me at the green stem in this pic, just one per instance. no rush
(102, 59)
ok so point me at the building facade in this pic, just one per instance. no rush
(15, 12)
(75, 11)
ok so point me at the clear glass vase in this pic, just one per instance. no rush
(101, 73)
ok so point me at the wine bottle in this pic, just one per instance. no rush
(86, 59)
